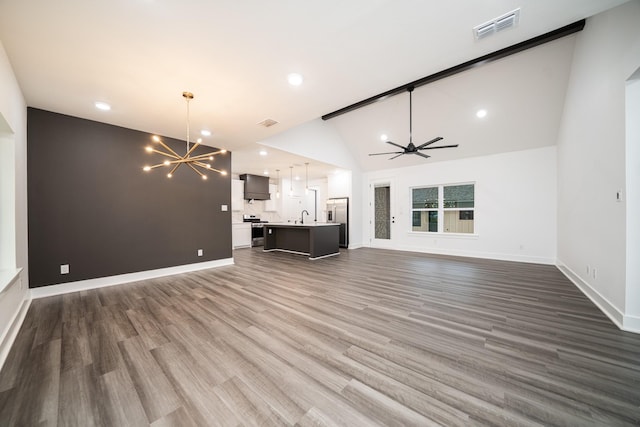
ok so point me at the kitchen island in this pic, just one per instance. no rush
(315, 240)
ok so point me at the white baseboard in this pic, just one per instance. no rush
(469, 254)
(631, 324)
(101, 282)
(609, 309)
(10, 334)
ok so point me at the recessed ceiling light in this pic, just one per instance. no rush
(481, 113)
(102, 106)
(263, 152)
(384, 137)
(295, 79)
(205, 132)
(297, 178)
(266, 172)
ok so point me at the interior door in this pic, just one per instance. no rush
(382, 216)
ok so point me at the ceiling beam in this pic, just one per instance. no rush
(490, 57)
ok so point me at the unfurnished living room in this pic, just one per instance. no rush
(319, 213)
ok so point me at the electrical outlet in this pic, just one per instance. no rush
(224, 208)
(593, 272)
(64, 268)
(200, 252)
(619, 196)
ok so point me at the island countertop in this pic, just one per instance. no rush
(317, 240)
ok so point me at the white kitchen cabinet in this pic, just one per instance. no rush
(237, 195)
(271, 205)
(241, 235)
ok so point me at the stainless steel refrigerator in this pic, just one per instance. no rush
(338, 212)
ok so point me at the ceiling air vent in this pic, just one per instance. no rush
(500, 23)
(268, 123)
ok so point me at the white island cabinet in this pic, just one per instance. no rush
(241, 235)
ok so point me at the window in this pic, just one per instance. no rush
(445, 208)
(425, 209)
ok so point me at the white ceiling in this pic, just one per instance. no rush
(523, 95)
(249, 160)
(140, 55)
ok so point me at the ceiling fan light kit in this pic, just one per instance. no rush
(411, 148)
(174, 160)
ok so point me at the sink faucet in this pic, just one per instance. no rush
(302, 216)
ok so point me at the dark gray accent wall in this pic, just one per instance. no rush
(93, 207)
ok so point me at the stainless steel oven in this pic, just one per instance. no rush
(257, 229)
(257, 234)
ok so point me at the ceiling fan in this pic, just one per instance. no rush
(411, 148)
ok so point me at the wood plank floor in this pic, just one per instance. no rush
(371, 337)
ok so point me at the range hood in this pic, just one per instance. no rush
(256, 187)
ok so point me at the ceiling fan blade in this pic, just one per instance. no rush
(422, 155)
(393, 152)
(419, 147)
(396, 156)
(396, 145)
(444, 146)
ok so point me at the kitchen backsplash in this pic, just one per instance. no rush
(256, 208)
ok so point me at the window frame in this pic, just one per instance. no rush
(441, 210)
(437, 209)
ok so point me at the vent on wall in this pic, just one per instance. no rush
(500, 23)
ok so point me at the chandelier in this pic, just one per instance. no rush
(195, 162)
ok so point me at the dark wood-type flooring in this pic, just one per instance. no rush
(370, 337)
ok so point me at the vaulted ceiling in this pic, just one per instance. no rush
(140, 55)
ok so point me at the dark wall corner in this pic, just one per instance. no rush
(91, 206)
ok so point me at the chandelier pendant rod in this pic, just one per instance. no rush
(188, 96)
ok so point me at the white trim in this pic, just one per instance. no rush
(324, 256)
(101, 282)
(470, 254)
(445, 234)
(483, 255)
(9, 335)
(610, 310)
(7, 277)
(301, 253)
(287, 251)
(631, 324)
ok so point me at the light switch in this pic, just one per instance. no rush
(64, 269)
(200, 252)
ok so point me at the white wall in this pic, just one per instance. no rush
(316, 140)
(515, 209)
(340, 185)
(13, 151)
(632, 198)
(591, 157)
